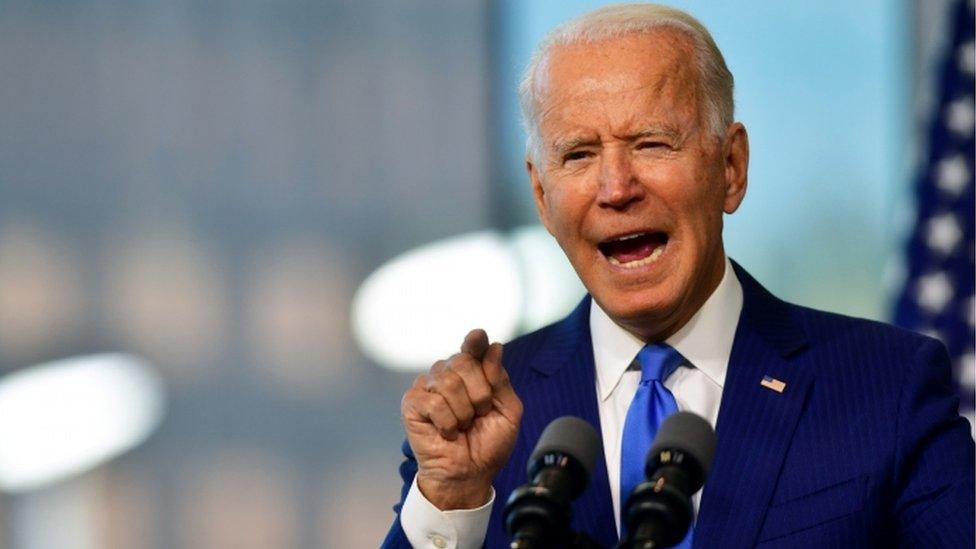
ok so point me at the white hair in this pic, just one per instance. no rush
(623, 19)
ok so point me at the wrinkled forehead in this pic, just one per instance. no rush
(661, 60)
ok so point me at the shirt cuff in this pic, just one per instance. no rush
(427, 527)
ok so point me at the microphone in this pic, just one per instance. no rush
(659, 511)
(537, 514)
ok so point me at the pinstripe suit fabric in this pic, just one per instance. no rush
(864, 447)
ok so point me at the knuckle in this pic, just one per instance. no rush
(431, 402)
(433, 385)
(451, 381)
(410, 396)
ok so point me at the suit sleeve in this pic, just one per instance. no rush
(934, 502)
(396, 538)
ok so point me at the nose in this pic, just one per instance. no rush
(619, 186)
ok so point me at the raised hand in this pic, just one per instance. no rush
(462, 418)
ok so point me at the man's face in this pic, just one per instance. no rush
(629, 180)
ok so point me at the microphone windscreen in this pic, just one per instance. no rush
(689, 433)
(572, 436)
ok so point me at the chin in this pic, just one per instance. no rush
(646, 313)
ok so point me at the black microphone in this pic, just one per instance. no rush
(659, 511)
(537, 514)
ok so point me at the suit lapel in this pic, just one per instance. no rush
(755, 423)
(564, 384)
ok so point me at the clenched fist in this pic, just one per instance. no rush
(462, 419)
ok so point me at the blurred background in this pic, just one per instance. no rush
(217, 189)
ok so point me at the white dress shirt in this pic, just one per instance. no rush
(706, 344)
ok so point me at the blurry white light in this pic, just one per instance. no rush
(418, 307)
(551, 286)
(65, 417)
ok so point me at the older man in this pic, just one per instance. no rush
(832, 431)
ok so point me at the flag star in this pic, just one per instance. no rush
(966, 370)
(934, 291)
(960, 116)
(967, 58)
(943, 233)
(953, 174)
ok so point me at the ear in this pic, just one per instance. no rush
(736, 166)
(538, 191)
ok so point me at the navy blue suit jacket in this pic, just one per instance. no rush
(863, 448)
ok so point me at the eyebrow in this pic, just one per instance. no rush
(656, 131)
(562, 145)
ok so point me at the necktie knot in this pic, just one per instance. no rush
(658, 361)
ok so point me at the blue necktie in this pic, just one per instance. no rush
(652, 403)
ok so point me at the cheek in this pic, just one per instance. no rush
(565, 210)
(696, 201)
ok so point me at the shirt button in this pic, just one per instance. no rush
(439, 541)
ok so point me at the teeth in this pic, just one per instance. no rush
(639, 262)
(630, 237)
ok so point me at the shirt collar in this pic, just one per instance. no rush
(705, 341)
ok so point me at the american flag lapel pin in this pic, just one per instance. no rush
(773, 384)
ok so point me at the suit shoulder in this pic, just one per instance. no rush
(824, 329)
(873, 345)
(829, 325)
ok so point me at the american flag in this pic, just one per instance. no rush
(938, 295)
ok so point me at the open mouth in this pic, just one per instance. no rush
(634, 250)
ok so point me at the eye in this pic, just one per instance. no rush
(651, 145)
(575, 155)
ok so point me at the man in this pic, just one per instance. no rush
(831, 431)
